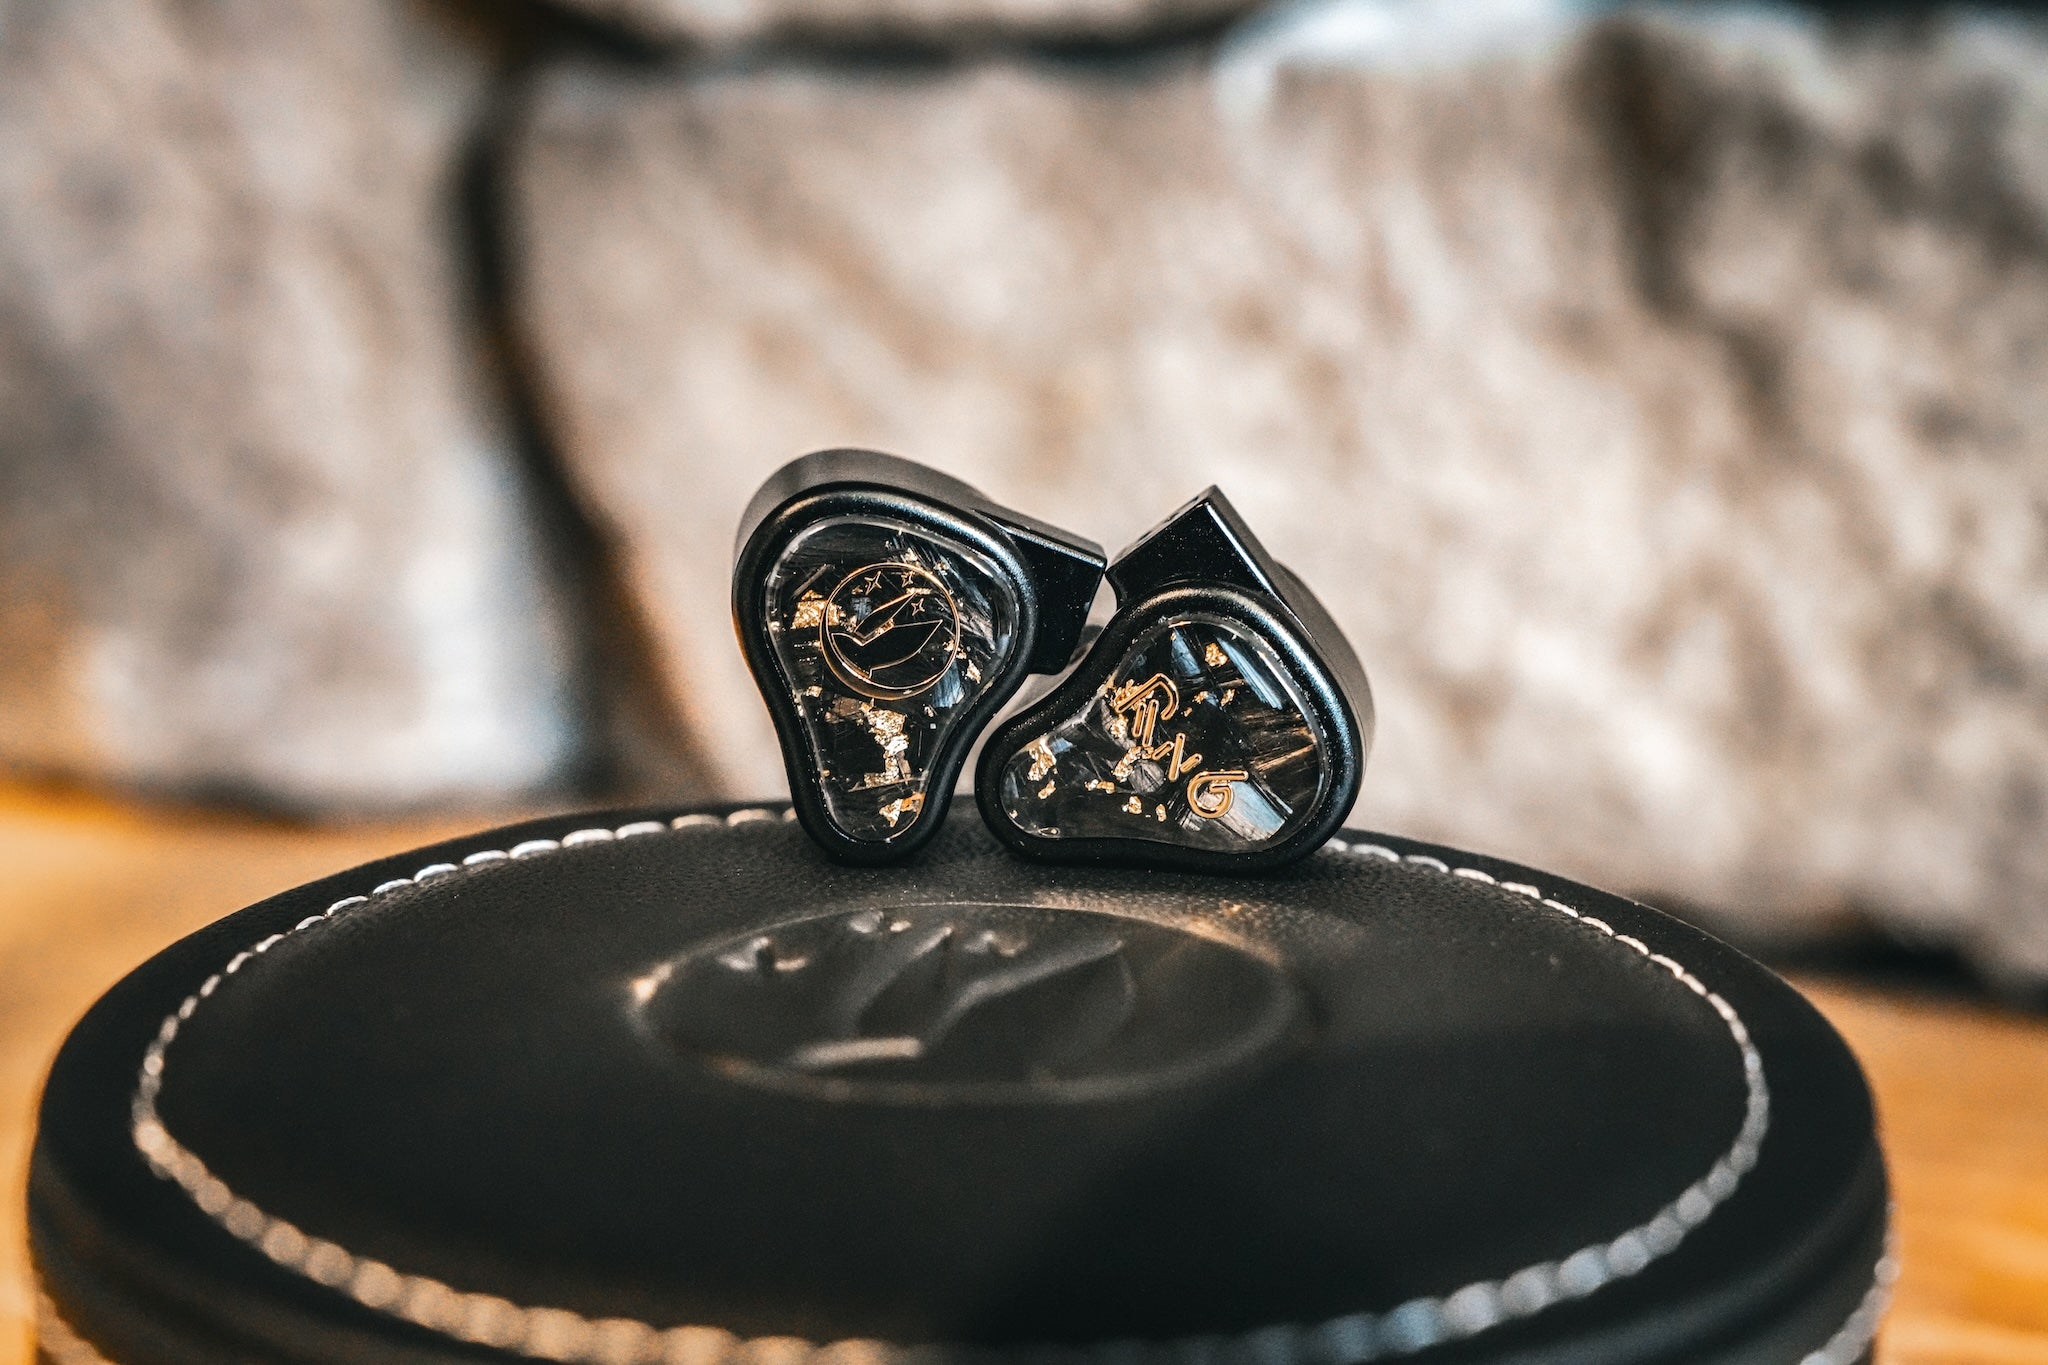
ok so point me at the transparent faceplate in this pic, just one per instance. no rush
(888, 634)
(1200, 738)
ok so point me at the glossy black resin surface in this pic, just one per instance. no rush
(887, 612)
(1199, 737)
(888, 635)
(1221, 721)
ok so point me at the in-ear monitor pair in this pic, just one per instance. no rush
(888, 612)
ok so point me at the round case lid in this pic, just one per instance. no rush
(661, 1087)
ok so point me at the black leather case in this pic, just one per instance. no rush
(649, 1087)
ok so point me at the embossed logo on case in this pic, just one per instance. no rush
(964, 1002)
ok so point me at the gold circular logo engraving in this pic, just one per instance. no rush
(890, 631)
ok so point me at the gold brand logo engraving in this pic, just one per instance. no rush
(1140, 706)
(1210, 794)
(888, 631)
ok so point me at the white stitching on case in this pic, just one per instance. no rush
(558, 1334)
(57, 1339)
(1856, 1333)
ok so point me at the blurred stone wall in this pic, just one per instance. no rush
(263, 529)
(1653, 395)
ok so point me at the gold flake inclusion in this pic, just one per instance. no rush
(902, 806)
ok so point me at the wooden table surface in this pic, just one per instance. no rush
(91, 888)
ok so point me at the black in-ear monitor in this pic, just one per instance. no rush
(1220, 723)
(887, 612)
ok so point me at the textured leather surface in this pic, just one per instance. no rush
(1271, 1100)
